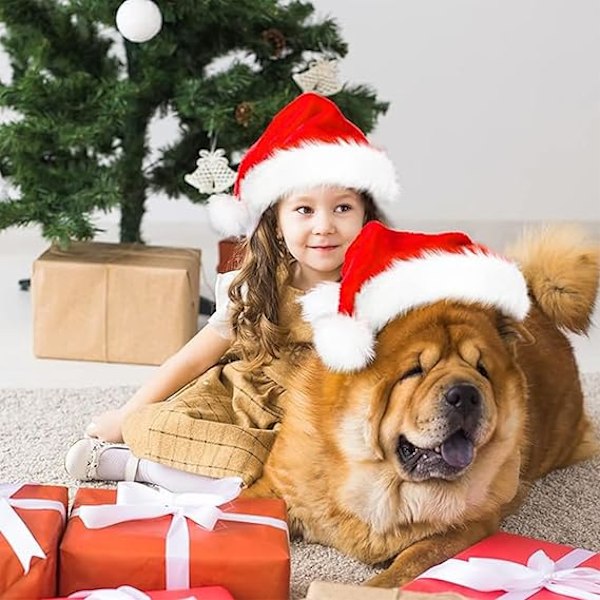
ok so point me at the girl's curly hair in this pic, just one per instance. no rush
(255, 291)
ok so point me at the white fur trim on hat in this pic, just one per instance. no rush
(321, 301)
(228, 215)
(465, 277)
(344, 343)
(344, 164)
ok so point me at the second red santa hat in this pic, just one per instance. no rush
(386, 273)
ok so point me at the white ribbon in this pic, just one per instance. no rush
(136, 501)
(14, 529)
(124, 592)
(519, 581)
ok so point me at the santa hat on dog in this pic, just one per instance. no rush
(387, 273)
(307, 144)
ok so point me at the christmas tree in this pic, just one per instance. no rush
(84, 96)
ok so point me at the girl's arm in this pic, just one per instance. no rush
(193, 359)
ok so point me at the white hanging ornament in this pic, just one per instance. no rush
(320, 77)
(138, 20)
(212, 174)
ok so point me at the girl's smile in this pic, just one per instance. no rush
(324, 248)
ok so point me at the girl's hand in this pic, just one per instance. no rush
(107, 426)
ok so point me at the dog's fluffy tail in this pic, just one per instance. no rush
(562, 270)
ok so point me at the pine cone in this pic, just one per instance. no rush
(243, 113)
(276, 39)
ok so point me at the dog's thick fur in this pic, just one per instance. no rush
(423, 452)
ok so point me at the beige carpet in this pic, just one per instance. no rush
(37, 426)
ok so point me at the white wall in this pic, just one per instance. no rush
(495, 105)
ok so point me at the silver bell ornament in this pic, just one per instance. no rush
(320, 77)
(213, 173)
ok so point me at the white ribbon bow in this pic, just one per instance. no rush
(520, 581)
(136, 501)
(124, 592)
(14, 529)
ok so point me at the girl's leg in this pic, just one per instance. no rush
(90, 459)
(214, 427)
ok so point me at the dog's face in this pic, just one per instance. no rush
(448, 378)
(442, 407)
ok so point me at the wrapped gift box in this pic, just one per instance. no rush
(212, 592)
(125, 303)
(250, 560)
(323, 590)
(515, 552)
(26, 511)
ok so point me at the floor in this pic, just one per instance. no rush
(20, 247)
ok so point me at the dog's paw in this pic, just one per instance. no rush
(387, 579)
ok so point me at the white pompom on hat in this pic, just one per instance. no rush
(308, 143)
(387, 273)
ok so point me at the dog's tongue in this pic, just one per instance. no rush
(457, 450)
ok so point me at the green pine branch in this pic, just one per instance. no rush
(84, 100)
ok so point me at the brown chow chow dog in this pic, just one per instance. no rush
(420, 454)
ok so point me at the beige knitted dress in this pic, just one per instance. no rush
(223, 423)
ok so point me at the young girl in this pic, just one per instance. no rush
(302, 194)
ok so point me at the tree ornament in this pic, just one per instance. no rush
(138, 20)
(243, 113)
(212, 174)
(276, 39)
(321, 77)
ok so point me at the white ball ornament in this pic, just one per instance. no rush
(138, 20)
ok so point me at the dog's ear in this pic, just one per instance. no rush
(379, 393)
(512, 332)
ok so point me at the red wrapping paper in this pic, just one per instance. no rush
(47, 526)
(212, 592)
(504, 546)
(251, 561)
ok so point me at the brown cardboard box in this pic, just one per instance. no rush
(114, 302)
(322, 590)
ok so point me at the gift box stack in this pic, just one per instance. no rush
(136, 540)
(143, 543)
(506, 566)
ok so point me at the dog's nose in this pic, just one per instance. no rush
(464, 397)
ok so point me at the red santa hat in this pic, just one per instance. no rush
(387, 273)
(307, 144)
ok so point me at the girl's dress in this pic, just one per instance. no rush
(224, 422)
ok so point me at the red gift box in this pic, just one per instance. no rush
(32, 517)
(574, 568)
(204, 593)
(252, 561)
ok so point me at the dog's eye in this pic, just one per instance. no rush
(482, 370)
(412, 372)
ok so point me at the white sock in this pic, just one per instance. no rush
(111, 463)
(171, 479)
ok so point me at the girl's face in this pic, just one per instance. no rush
(317, 226)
